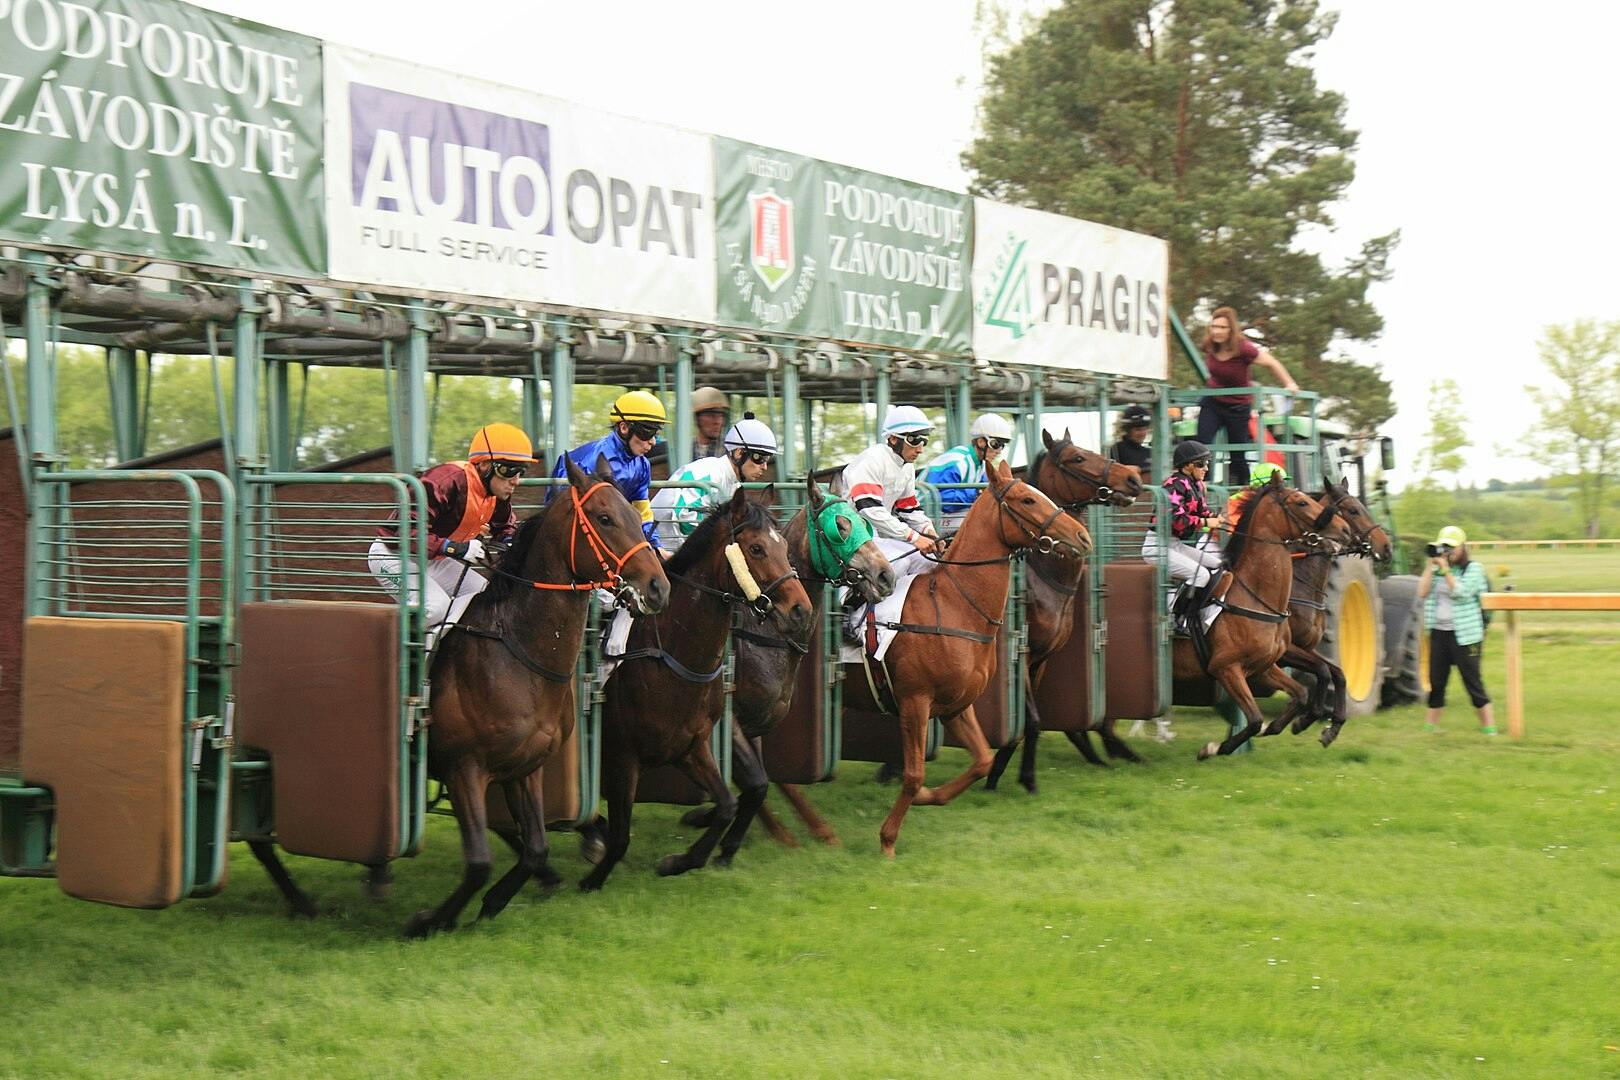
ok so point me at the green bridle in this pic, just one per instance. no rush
(830, 550)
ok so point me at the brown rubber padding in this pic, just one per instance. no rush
(318, 689)
(1132, 653)
(103, 717)
(1063, 699)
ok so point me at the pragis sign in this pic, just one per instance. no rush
(1059, 292)
(455, 185)
(158, 129)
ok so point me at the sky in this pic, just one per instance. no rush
(1487, 141)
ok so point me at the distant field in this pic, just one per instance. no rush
(1558, 570)
(1401, 905)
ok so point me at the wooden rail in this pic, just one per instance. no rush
(1515, 602)
(1601, 541)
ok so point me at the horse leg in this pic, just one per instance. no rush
(467, 783)
(1032, 735)
(1116, 746)
(700, 768)
(619, 778)
(1082, 743)
(774, 828)
(703, 816)
(813, 821)
(1232, 678)
(748, 770)
(965, 726)
(913, 742)
(379, 880)
(1341, 702)
(526, 804)
(298, 901)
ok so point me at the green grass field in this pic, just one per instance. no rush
(1401, 905)
(1559, 570)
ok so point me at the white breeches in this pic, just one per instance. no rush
(448, 592)
(1186, 562)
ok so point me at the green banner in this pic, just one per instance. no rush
(810, 248)
(153, 128)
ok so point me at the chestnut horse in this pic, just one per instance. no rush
(1073, 478)
(1251, 635)
(1307, 614)
(660, 708)
(944, 655)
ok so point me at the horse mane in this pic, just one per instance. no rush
(1234, 547)
(501, 587)
(697, 545)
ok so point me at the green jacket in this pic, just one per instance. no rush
(1467, 620)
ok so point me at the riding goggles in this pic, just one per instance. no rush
(644, 432)
(759, 457)
(511, 470)
(997, 444)
(915, 440)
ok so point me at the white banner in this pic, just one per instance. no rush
(448, 184)
(1058, 292)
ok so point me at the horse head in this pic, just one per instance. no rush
(1367, 536)
(1037, 521)
(1305, 522)
(1073, 476)
(606, 542)
(758, 552)
(841, 546)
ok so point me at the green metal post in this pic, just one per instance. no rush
(791, 436)
(41, 362)
(1037, 417)
(881, 395)
(412, 455)
(245, 390)
(964, 409)
(680, 443)
(125, 403)
(562, 391)
(809, 435)
(278, 416)
(534, 416)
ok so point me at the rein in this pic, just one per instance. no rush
(610, 564)
(1099, 483)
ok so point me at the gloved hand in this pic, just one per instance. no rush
(468, 551)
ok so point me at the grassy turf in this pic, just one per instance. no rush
(1400, 905)
(1559, 570)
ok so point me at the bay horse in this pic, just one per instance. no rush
(942, 658)
(1307, 613)
(659, 709)
(828, 543)
(1073, 478)
(1245, 642)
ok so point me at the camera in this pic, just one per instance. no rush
(1435, 551)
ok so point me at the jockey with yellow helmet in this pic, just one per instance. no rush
(637, 418)
(469, 504)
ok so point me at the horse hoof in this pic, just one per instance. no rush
(991, 782)
(887, 849)
(830, 838)
(1208, 750)
(670, 865)
(887, 773)
(1327, 737)
(592, 848)
(420, 925)
(303, 908)
(723, 860)
(590, 884)
(698, 816)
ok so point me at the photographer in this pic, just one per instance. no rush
(1450, 585)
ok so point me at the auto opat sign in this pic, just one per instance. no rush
(1059, 292)
(449, 184)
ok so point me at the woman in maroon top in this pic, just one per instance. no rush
(1227, 355)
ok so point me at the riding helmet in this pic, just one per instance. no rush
(751, 434)
(991, 426)
(638, 406)
(500, 442)
(1189, 451)
(709, 399)
(1136, 416)
(905, 420)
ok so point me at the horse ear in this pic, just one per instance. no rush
(739, 504)
(1004, 470)
(1066, 436)
(604, 470)
(767, 495)
(575, 474)
(813, 489)
(1046, 437)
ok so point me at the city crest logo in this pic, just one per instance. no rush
(771, 237)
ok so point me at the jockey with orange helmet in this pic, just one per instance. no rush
(469, 503)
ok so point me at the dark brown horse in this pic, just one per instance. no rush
(1307, 613)
(767, 663)
(664, 699)
(1252, 633)
(503, 684)
(945, 653)
(1073, 478)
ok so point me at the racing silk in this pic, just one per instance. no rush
(631, 475)
(459, 508)
(958, 465)
(678, 510)
(884, 491)
(1187, 505)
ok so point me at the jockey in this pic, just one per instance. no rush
(1191, 557)
(637, 417)
(882, 483)
(991, 434)
(750, 446)
(469, 503)
(1259, 477)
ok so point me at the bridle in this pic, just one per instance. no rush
(1104, 494)
(1310, 537)
(822, 552)
(1360, 542)
(755, 597)
(608, 563)
(1038, 538)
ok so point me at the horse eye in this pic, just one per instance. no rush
(757, 551)
(1028, 501)
(603, 519)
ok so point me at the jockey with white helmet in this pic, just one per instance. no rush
(750, 447)
(882, 483)
(991, 434)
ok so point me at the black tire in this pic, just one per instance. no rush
(1354, 637)
(1404, 669)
